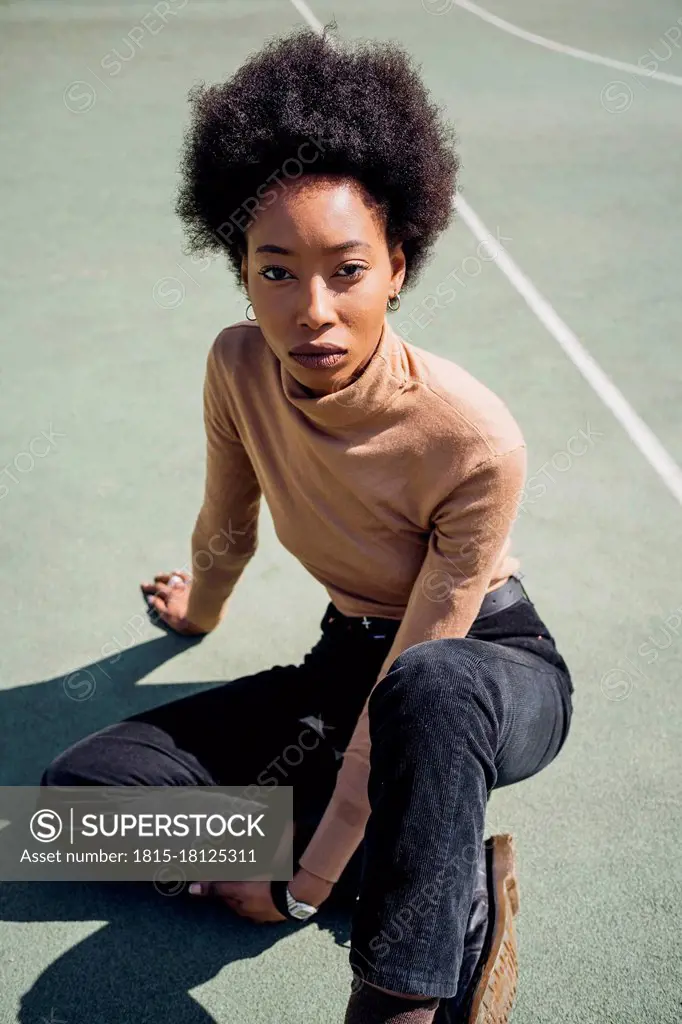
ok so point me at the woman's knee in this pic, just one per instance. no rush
(432, 664)
(60, 771)
(78, 764)
(124, 754)
(452, 668)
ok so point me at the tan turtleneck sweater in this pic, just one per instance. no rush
(397, 493)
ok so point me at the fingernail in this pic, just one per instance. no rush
(195, 889)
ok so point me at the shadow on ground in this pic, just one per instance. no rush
(154, 947)
(141, 966)
(41, 719)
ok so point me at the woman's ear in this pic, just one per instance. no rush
(398, 266)
(245, 273)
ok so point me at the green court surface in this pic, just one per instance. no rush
(575, 164)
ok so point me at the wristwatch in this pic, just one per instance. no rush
(292, 908)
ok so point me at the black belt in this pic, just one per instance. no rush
(505, 596)
(508, 594)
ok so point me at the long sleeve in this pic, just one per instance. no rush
(470, 529)
(225, 535)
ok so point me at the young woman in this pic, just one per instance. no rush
(325, 173)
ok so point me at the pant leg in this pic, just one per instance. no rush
(286, 725)
(225, 735)
(451, 720)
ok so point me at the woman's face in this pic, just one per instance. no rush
(318, 271)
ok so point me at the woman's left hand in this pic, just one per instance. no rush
(254, 900)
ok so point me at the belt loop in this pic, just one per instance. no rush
(523, 589)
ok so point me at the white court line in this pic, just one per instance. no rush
(570, 51)
(305, 12)
(639, 433)
(635, 427)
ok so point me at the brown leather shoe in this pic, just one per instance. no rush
(493, 988)
(488, 973)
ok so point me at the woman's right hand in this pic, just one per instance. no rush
(168, 595)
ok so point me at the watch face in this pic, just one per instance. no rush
(302, 914)
(299, 910)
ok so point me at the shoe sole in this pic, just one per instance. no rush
(495, 992)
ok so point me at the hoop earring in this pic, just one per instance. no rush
(251, 318)
(393, 303)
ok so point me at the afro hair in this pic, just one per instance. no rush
(356, 111)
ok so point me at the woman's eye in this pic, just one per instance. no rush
(274, 273)
(352, 269)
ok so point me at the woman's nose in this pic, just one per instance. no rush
(317, 307)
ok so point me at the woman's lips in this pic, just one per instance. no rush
(319, 361)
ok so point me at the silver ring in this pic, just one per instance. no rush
(175, 579)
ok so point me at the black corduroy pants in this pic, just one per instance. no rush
(452, 720)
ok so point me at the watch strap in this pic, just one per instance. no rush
(278, 891)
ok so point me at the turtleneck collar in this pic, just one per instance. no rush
(385, 374)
